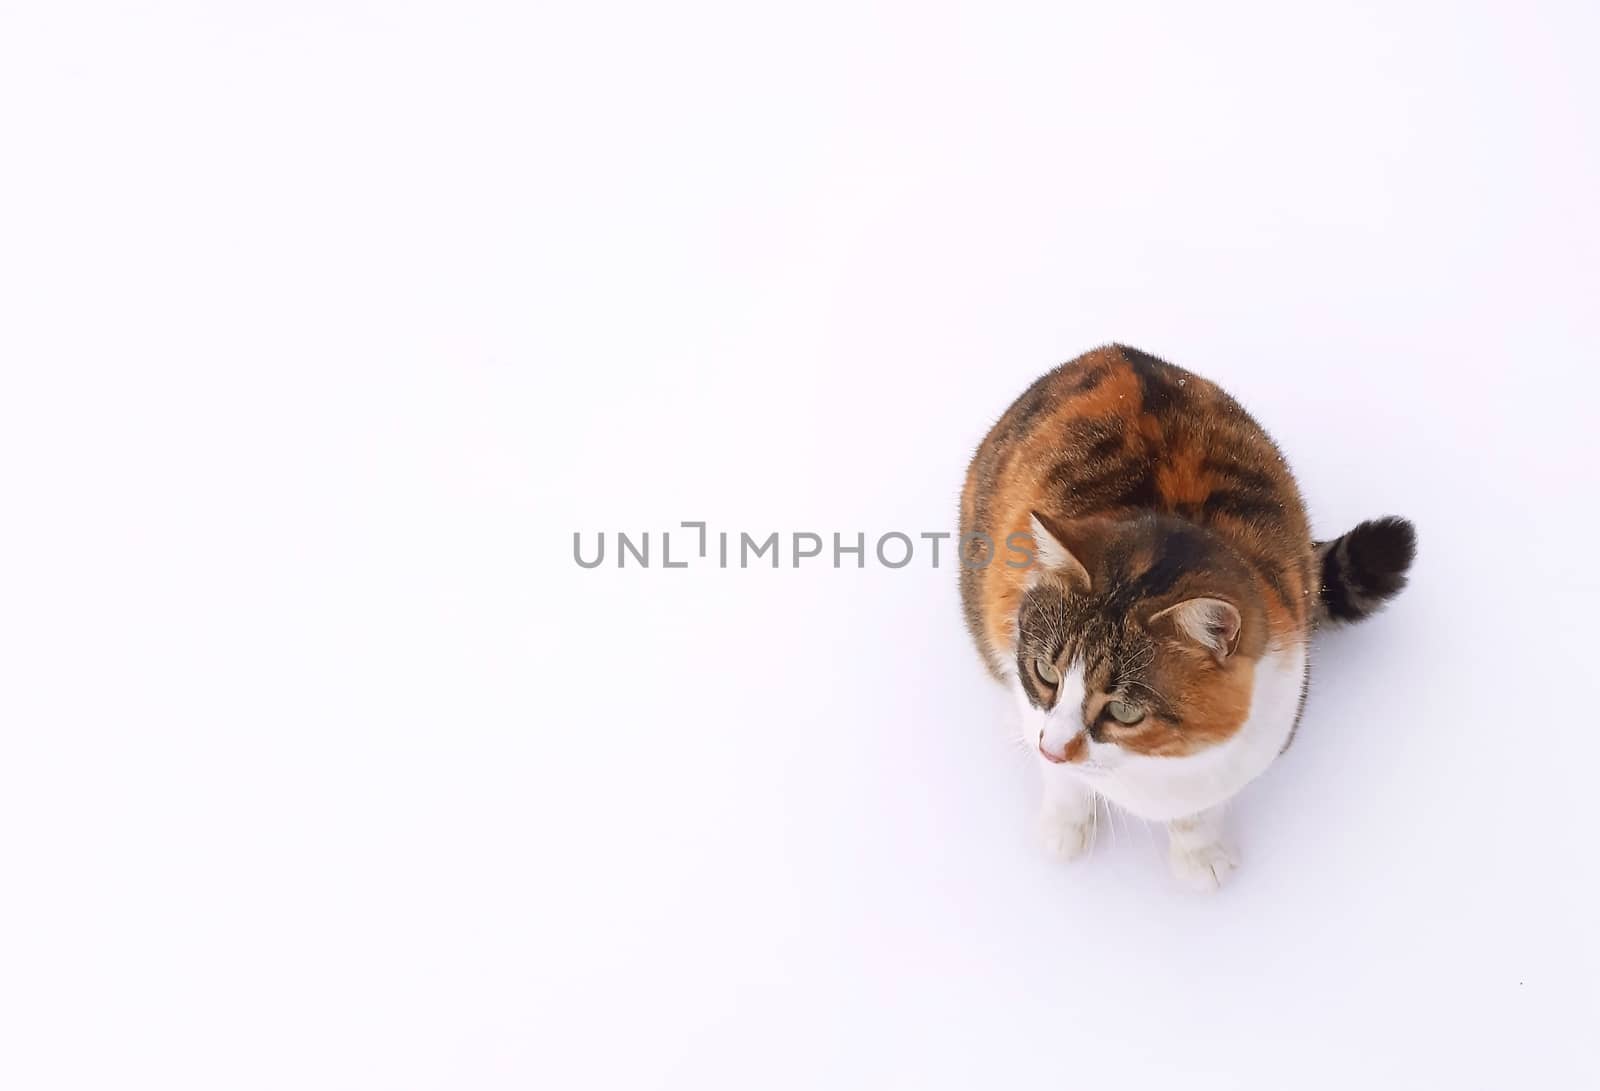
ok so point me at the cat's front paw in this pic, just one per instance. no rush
(1203, 868)
(1065, 835)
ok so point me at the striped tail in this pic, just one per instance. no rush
(1364, 568)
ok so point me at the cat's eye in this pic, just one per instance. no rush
(1124, 713)
(1047, 671)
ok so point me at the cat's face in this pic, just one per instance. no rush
(1136, 638)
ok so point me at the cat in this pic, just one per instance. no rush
(1137, 567)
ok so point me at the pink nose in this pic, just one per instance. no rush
(1047, 755)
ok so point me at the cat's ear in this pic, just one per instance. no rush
(1213, 624)
(1054, 553)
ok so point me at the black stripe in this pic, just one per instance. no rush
(1182, 550)
(1159, 391)
(1103, 436)
(1087, 380)
(1035, 400)
(1126, 484)
(1104, 449)
(1241, 475)
(1242, 504)
(1142, 493)
(1025, 676)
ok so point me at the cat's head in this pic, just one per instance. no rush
(1136, 637)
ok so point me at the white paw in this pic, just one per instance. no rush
(1065, 834)
(1203, 868)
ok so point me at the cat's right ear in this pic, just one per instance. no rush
(1053, 554)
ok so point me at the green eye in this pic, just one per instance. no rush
(1124, 713)
(1047, 671)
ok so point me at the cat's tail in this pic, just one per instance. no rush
(1364, 568)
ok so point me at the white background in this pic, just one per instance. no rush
(324, 326)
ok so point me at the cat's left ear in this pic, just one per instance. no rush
(1212, 623)
(1054, 554)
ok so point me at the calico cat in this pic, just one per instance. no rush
(1138, 568)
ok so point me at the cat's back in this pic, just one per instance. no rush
(1116, 432)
